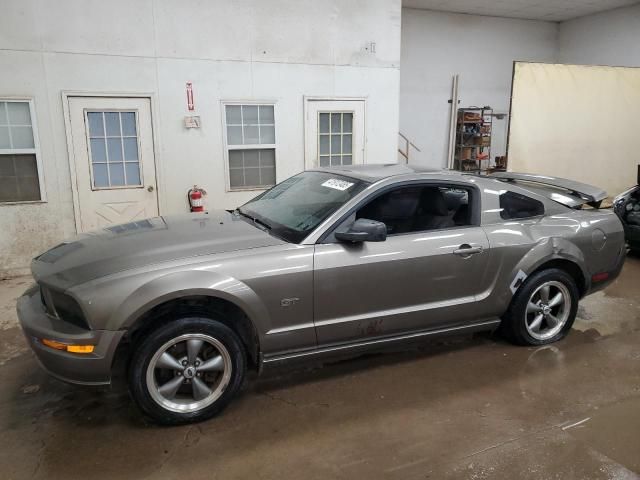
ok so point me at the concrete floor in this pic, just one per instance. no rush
(462, 408)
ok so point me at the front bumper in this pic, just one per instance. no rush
(86, 369)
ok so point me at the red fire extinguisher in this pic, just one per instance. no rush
(195, 196)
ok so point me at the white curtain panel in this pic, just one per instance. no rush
(576, 121)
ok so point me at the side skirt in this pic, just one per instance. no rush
(278, 359)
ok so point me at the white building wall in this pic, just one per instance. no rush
(276, 50)
(437, 45)
(609, 38)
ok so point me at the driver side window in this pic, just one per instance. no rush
(418, 208)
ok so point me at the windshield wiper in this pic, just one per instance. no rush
(255, 220)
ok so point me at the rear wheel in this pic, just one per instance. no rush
(187, 370)
(543, 309)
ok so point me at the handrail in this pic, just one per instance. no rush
(408, 144)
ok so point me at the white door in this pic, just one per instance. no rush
(113, 159)
(334, 132)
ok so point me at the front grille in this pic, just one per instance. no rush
(44, 294)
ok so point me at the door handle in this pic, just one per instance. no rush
(150, 188)
(465, 250)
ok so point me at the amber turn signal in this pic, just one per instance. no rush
(68, 348)
(80, 348)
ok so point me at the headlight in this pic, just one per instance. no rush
(64, 307)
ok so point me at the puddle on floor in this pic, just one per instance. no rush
(613, 430)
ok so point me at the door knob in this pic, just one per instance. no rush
(150, 188)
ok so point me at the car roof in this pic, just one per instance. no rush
(375, 172)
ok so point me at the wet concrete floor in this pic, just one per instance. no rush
(469, 407)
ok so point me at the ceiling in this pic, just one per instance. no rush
(549, 10)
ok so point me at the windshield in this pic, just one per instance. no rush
(293, 208)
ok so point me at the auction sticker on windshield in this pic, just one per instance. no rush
(336, 184)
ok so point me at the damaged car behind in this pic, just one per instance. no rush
(329, 262)
(627, 207)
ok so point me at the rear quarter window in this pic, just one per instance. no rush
(514, 206)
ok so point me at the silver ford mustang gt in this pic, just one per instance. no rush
(329, 262)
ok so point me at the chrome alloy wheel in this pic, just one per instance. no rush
(189, 373)
(548, 310)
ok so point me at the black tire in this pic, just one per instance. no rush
(514, 322)
(153, 341)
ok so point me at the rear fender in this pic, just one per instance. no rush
(545, 251)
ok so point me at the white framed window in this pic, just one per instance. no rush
(250, 145)
(335, 138)
(113, 149)
(21, 177)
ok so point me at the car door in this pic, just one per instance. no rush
(415, 280)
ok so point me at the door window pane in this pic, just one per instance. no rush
(132, 170)
(420, 208)
(19, 180)
(116, 174)
(335, 137)
(128, 120)
(114, 149)
(98, 150)
(130, 149)
(347, 122)
(96, 124)
(112, 124)
(346, 144)
(324, 144)
(100, 175)
(335, 144)
(323, 122)
(113, 141)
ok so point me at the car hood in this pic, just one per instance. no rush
(145, 242)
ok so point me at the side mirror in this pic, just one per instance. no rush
(364, 230)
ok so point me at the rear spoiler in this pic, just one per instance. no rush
(589, 194)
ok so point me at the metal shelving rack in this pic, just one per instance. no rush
(473, 139)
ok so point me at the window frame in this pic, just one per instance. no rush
(28, 151)
(254, 146)
(341, 134)
(136, 113)
(475, 200)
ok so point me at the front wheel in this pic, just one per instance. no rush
(187, 370)
(543, 309)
